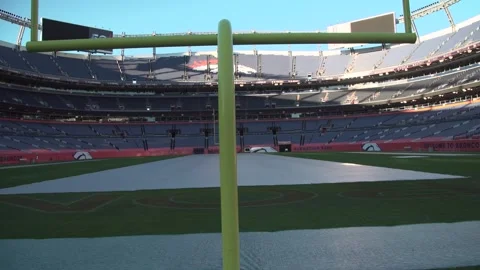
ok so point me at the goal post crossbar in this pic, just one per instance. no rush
(211, 40)
(225, 40)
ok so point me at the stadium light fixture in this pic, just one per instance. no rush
(225, 40)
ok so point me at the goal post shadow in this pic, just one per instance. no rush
(225, 40)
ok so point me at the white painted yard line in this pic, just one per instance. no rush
(416, 153)
(47, 164)
(408, 157)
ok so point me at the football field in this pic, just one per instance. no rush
(340, 210)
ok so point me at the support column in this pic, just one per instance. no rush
(154, 49)
(21, 31)
(228, 153)
(122, 51)
(414, 26)
(450, 19)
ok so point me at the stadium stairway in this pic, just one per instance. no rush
(59, 67)
(89, 68)
(3, 62)
(382, 58)
(351, 66)
(121, 69)
(412, 52)
(30, 65)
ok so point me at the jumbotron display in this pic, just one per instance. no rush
(383, 23)
(57, 30)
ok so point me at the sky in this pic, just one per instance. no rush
(179, 16)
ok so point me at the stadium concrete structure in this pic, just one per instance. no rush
(403, 93)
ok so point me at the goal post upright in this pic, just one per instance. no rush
(407, 19)
(228, 148)
(225, 40)
(34, 21)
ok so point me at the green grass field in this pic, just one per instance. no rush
(261, 208)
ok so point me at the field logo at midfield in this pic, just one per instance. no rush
(371, 147)
(270, 197)
(82, 156)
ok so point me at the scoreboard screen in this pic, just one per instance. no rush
(57, 30)
(379, 24)
(384, 23)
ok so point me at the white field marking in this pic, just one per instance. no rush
(61, 203)
(47, 164)
(417, 154)
(410, 156)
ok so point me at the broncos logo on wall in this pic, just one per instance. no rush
(82, 156)
(371, 147)
(260, 149)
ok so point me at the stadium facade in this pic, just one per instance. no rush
(416, 97)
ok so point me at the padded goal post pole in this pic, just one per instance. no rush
(228, 149)
(34, 21)
(407, 19)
